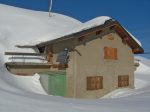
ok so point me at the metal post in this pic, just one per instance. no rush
(50, 7)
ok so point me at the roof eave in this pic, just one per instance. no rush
(138, 49)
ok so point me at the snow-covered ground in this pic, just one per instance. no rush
(25, 94)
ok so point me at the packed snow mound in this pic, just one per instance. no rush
(25, 94)
(146, 61)
(28, 26)
(143, 69)
(81, 27)
(42, 27)
(22, 26)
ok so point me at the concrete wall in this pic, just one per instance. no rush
(87, 59)
(91, 62)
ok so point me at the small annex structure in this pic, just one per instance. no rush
(88, 62)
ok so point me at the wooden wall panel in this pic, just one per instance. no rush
(123, 81)
(94, 83)
(110, 53)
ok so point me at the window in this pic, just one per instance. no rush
(123, 81)
(110, 53)
(63, 56)
(94, 83)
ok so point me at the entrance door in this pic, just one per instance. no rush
(57, 84)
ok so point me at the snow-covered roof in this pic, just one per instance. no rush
(94, 23)
(98, 21)
(29, 26)
(38, 27)
(81, 27)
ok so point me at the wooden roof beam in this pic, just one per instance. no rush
(136, 50)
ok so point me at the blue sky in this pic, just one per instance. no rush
(132, 14)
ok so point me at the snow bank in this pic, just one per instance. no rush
(81, 27)
(21, 26)
(29, 26)
(25, 94)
